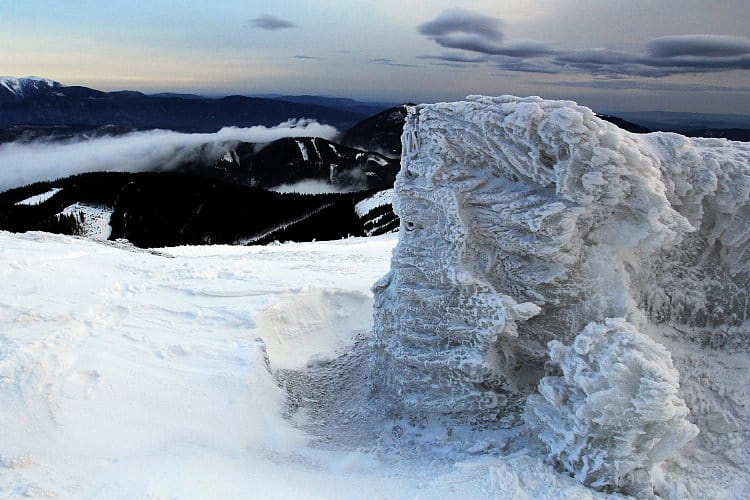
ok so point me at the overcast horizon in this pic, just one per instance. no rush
(677, 55)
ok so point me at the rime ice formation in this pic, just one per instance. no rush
(523, 221)
(615, 409)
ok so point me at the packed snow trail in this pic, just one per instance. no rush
(528, 226)
(134, 374)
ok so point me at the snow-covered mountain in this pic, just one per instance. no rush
(13, 89)
(290, 161)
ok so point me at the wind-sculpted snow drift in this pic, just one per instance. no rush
(528, 223)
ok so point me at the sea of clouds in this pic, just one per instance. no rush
(23, 163)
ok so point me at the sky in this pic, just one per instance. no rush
(629, 55)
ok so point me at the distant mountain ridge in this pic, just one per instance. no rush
(624, 124)
(345, 103)
(381, 133)
(13, 89)
(728, 126)
(37, 102)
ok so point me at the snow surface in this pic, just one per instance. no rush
(302, 150)
(145, 374)
(530, 225)
(40, 198)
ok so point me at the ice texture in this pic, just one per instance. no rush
(525, 220)
(614, 410)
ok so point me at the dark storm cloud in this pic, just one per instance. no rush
(267, 22)
(453, 21)
(390, 62)
(699, 46)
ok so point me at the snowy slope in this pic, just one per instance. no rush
(379, 199)
(135, 374)
(39, 198)
(377, 213)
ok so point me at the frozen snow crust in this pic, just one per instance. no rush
(530, 225)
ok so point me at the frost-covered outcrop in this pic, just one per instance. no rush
(525, 220)
(615, 409)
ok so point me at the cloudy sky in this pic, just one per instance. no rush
(682, 55)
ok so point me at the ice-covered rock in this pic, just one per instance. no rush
(524, 220)
(615, 409)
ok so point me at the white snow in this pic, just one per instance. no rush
(308, 186)
(302, 150)
(95, 220)
(379, 199)
(525, 220)
(315, 147)
(141, 375)
(377, 159)
(40, 198)
(231, 156)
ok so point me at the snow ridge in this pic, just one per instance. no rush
(527, 222)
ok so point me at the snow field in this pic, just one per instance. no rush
(135, 374)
